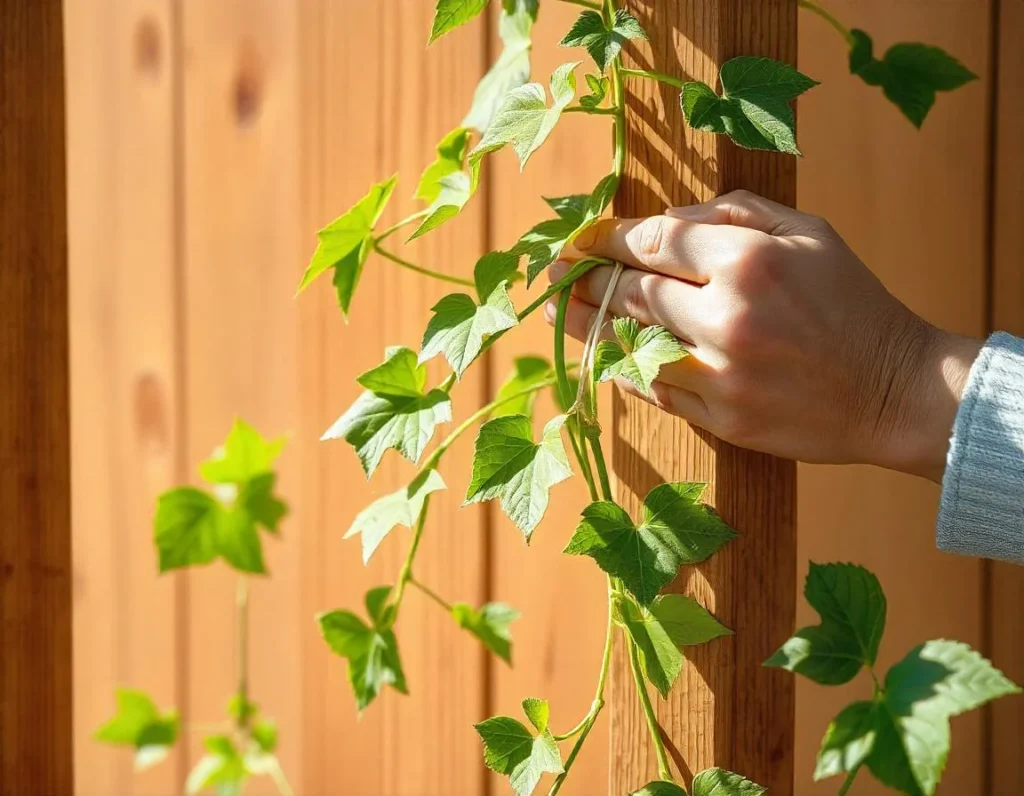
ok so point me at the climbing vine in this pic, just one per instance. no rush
(901, 734)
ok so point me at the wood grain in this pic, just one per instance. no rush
(124, 370)
(35, 488)
(727, 709)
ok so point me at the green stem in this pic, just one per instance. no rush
(284, 787)
(387, 233)
(664, 770)
(242, 604)
(419, 269)
(591, 111)
(584, 3)
(814, 8)
(848, 782)
(661, 77)
(433, 595)
(405, 575)
(602, 467)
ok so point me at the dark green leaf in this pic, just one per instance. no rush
(660, 658)
(402, 507)
(490, 624)
(676, 529)
(848, 740)
(450, 14)
(598, 91)
(602, 43)
(527, 372)
(512, 750)
(395, 412)
(184, 528)
(140, 724)
(754, 109)
(660, 788)
(510, 466)
(258, 500)
(686, 621)
(718, 782)
(638, 355)
(510, 71)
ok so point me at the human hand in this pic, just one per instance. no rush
(796, 349)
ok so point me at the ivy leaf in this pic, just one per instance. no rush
(510, 466)
(460, 325)
(660, 788)
(848, 740)
(598, 86)
(512, 750)
(264, 733)
(371, 650)
(346, 242)
(603, 44)
(450, 14)
(222, 767)
(510, 71)
(686, 621)
(446, 185)
(527, 372)
(402, 507)
(933, 683)
(718, 782)
(395, 412)
(754, 109)
(909, 74)
(638, 355)
(490, 625)
(676, 529)
(543, 243)
(244, 455)
(140, 724)
(660, 658)
(259, 502)
(852, 606)
(524, 120)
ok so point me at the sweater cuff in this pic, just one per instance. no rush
(982, 507)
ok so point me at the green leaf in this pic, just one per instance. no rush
(402, 507)
(460, 325)
(603, 44)
(527, 372)
(446, 185)
(543, 243)
(371, 650)
(909, 74)
(686, 621)
(258, 500)
(512, 750)
(222, 767)
(450, 14)
(346, 242)
(395, 412)
(264, 733)
(238, 541)
(660, 658)
(510, 71)
(598, 91)
(718, 782)
(848, 740)
(660, 788)
(754, 109)
(490, 625)
(241, 709)
(676, 529)
(852, 606)
(510, 466)
(933, 683)
(638, 355)
(244, 455)
(524, 120)
(139, 723)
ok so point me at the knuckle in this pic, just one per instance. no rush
(738, 329)
(634, 294)
(653, 239)
(757, 265)
(742, 197)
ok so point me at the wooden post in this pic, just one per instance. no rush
(727, 710)
(35, 538)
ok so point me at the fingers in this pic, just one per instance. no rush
(651, 298)
(681, 402)
(746, 209)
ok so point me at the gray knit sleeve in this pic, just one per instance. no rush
(982, 508)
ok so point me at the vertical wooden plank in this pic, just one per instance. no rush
(558, 641)
(124, 413)
(1006, 582)
(241, 218)
(35, 488)
(727, 709)
(912, 205)
(375, 102)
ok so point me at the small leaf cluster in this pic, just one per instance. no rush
(902, 734)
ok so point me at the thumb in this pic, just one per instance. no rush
(746, 209)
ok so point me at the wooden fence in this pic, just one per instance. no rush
(208, 139)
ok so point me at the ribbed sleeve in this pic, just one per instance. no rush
(982, 508)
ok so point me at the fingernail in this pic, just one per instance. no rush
(550, 311)
(585, 239)
(557, 270)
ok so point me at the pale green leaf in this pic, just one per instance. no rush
(527, 372)
(451, 156)
(910, 74)
(510, 71)
(686, 621)
(638, 355)
(603, 43)
(450, 14)
(447, 185)
(676, 529)
(660, 658)
(395, 412)
(140, 724)
(598, 86)
(346, 242)
(848, 740)
(755, 106)
(510, 466)
(512, 750)
(718, 782)
(402, 507)
(222, 768)
(244, 455)
(264, 733)
(660, 788)
(490, 625)
(524, 119)
(852, 608)
(184, 528)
